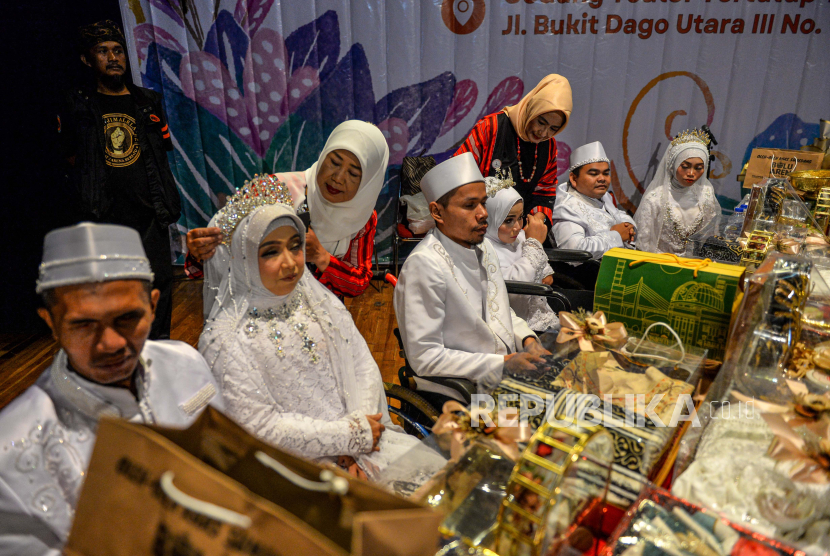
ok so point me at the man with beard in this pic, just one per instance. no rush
(451, 303)
(96, 286)
(115, 139)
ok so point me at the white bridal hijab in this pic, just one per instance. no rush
(223, 341)
(684, 201)
(498, 207)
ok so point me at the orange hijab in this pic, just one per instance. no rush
(552, 93)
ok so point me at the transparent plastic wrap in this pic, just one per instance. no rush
(778, 219)
(662, 524)
(461, 470)
(554, 502)
(614, 388)
(716, 240)
(759, 340)
(769, 325)
(762, 453)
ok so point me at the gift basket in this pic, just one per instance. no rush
(761, 456)
(717, 240)
(661, 524)
(462, 469)
(786, 215)
(638, 389)
(556, 494)
(503, 491)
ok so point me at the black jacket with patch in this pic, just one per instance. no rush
(82, 144)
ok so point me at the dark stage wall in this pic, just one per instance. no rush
(40, 62)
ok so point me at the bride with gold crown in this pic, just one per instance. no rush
(680, 200)
(289, 360)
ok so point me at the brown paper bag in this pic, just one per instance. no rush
(212, 490)
(781, 162)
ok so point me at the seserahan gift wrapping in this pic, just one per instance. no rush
(461, 469)
(695, 297)
(660, 524)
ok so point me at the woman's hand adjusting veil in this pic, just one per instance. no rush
(315, 252)
(202, 242)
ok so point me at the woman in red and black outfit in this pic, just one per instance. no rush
(341, 190)
(521, 138)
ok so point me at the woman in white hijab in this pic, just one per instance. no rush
(341, 190)
(521, 255)
(288, 358)
(680, 199)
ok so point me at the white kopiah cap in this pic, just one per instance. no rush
(450, 174)
(88, 253)
(587, 154)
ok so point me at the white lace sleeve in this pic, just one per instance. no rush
(249, 403)
(533, 251)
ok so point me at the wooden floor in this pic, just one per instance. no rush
(23, 357)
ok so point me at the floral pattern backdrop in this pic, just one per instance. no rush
(243, 98)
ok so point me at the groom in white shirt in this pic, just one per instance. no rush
(96, 284)
(451, 303)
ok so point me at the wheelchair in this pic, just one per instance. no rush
(421, 406)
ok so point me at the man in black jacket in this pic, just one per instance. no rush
(115, 139)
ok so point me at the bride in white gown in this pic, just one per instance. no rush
(291, 364)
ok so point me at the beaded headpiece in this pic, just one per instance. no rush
(689, 136)
(502, 180)
(260, 191)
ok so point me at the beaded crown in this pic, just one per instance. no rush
(502, 180)
(689, 136)
(260, 191)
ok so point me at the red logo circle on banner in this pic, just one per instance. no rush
(463, 16)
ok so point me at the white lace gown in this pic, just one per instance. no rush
(655, 228)
(293, 369)
(525, 261)
(288, 400)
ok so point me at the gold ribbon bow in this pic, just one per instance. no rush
(694, 264)
(458, 421)
(588, 328)
(802, 435)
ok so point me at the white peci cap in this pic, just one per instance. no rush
(450, 174)
(88, 253)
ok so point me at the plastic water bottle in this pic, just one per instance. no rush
(735, 223)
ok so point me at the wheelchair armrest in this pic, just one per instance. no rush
(527, 288)
(464, 387)
(567, 255)
(531, 288)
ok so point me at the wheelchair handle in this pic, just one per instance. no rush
(391, 279)
(568, 255)
(527, 288)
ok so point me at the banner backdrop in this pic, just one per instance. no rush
(255, 86)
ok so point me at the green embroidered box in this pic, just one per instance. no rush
(693, 297)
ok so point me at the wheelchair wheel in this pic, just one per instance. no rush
(415, 414)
